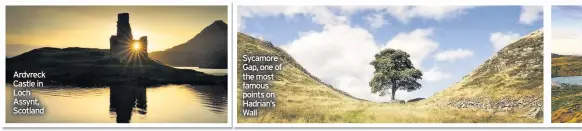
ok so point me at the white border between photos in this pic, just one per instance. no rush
(546, 5)
(228, 124)
(547, 64)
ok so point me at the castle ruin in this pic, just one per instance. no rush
(122, 45)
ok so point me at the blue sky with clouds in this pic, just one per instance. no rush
(336, 43)
(567, 30)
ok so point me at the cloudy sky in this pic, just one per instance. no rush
(29, 27)
(336, 44)
(567, 30)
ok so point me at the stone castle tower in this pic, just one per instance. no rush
(122, 44)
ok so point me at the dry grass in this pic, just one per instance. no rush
(304, 109)
(306, 101)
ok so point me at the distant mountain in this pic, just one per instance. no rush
(512, 79)
(208, 49)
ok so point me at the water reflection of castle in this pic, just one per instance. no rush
(124, 97)
(122, 45)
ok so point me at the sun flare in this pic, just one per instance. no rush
(136, 45)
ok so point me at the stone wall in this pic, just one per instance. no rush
(532, 104)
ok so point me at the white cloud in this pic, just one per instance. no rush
(325, 15)
(405, 13)
(452, 55)
(416, 43)
(501, 39)
(434, 74)
(375, 20)
(530, 14)
(343, 63)
(320, 14)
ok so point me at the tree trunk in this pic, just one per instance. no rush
(394, 88)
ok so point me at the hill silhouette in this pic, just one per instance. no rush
(92, 67)
(208, 49)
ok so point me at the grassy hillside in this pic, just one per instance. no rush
(566, 65)
(302, 98)
(512, 79)
(566, 103)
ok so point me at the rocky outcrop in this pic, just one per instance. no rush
(536, 113)
(208, 49)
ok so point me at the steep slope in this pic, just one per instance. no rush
(512, 79)
(208, 49)
(293, 73)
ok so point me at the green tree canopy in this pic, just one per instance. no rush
(394, 71)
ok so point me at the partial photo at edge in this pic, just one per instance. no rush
(292, 65)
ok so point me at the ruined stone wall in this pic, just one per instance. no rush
(144, 45)
(121, 43)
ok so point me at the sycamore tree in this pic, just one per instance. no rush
(394, 71)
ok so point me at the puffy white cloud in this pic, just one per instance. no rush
(343, 63)
(405, 13)
(375, 20)
(502, 39)
(435, 74)
(416, 43)
(452, 55)
(530, 14)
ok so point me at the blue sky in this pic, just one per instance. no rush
(567, 30)
(337, 43)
